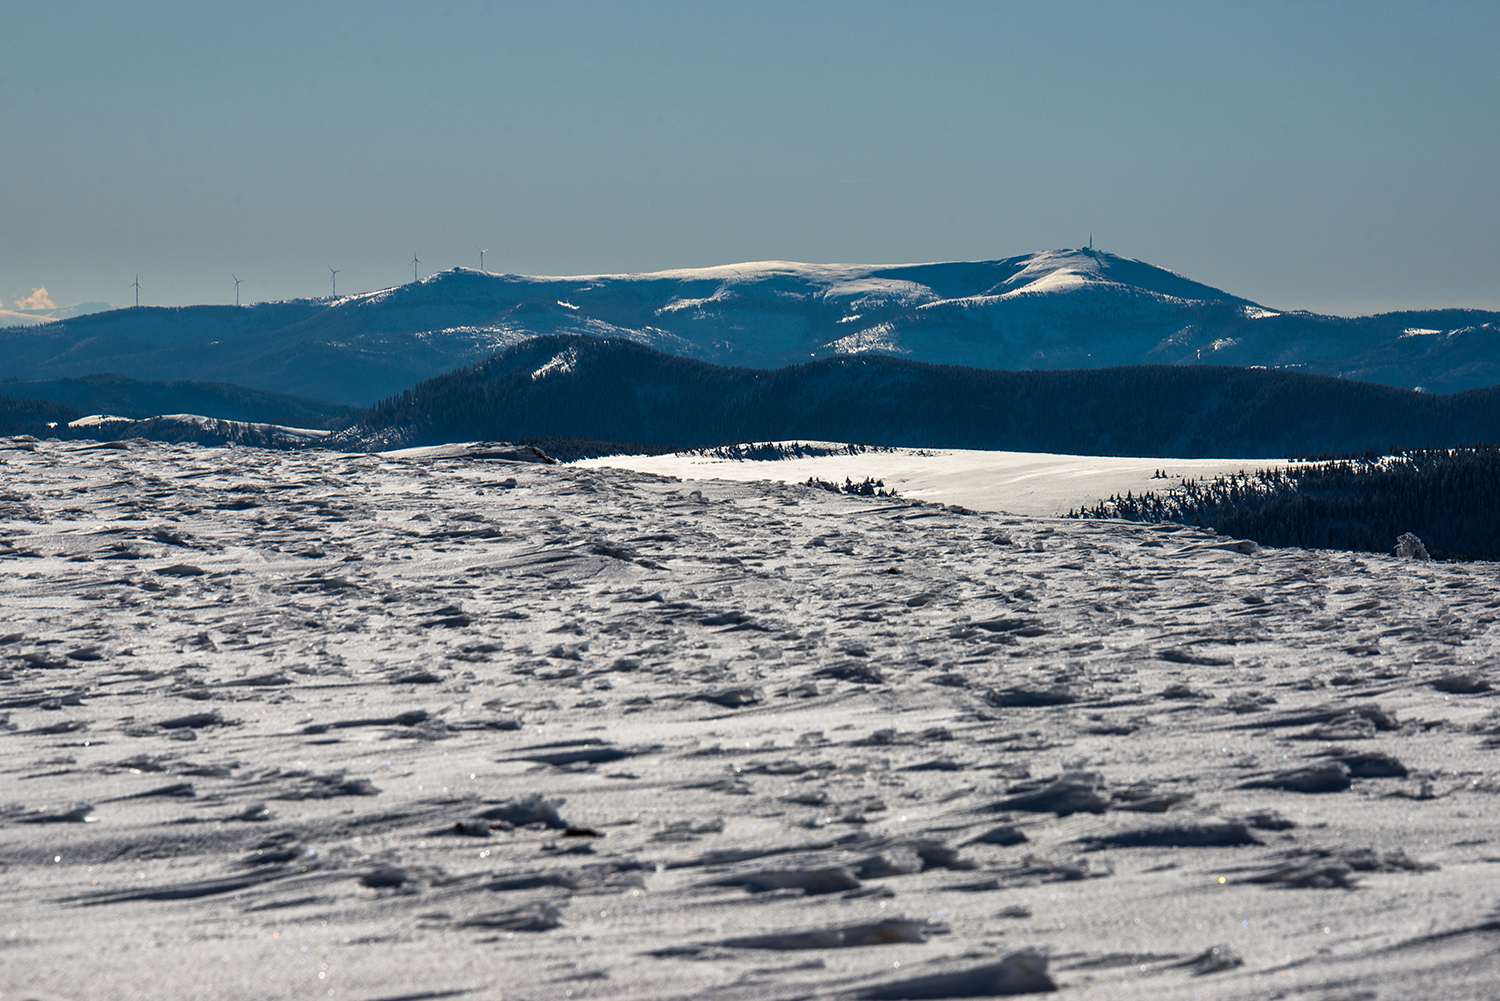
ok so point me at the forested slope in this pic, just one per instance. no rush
(620, 391)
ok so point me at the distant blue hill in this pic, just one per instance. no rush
(122, 397)
(1064, 309)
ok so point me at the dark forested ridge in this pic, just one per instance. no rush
(32, 416)
(221, 413)
(114, 394)
(45, 419)
(619, 391)
(1449, 498)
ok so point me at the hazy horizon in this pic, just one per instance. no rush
(1335, 158)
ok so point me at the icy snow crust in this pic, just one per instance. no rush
(279, 724)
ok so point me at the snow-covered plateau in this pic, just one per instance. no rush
(305, 724)
(1027, 483)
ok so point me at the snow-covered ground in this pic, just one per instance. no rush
(1029, 483)
(302, 724)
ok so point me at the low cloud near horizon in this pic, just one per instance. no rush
(38, 299)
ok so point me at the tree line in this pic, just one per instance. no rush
(1447, 497)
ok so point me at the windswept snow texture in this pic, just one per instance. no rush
(1054, 310)
(280, 724)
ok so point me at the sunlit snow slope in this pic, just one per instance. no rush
(1025, 483)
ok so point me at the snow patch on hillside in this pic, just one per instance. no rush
(881, 338)
(98, 420)
(192, 426)
(561, 364)
(207, 422)
(678, 305)
(1055, 271)
(866, 292)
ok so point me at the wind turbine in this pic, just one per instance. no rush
(481, 259)
(335, 276)
(414, 263)
(236, 290)
(137, 287)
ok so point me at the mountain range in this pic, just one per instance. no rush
(584, 387)
(1063, 309)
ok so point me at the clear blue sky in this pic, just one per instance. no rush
(1341, 157)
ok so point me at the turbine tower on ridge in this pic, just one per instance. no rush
(335, 276)
(236, 290)
(481, 259)
(137, 287)
(414, 263)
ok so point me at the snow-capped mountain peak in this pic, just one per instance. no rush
(1055, 271)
